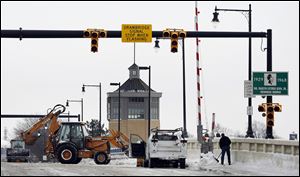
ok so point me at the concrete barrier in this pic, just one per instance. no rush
(278, 153)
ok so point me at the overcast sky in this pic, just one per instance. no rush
(37, 74)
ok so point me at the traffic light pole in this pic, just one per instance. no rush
(269, 129)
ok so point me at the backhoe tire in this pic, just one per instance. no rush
(101, 158)
(107, 161)
(67, 154)
(78, 160)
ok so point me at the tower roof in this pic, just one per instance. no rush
(134, 85)
(133, 66)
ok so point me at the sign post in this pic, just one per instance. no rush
(270, 83)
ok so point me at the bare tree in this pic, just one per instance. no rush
(5, 134)
(259, 129)
(23, 125)
(220, 129)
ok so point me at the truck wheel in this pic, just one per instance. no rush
(175, 164)
(182, 163)
(67, 154)
(152, 162)
(146, 163)
(100, 158)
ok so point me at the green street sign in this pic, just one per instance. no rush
(270, 83)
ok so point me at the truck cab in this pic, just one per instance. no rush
(163, 147)
(17, 151)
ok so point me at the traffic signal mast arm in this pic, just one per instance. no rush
(117, 34)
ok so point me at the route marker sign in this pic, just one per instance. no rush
(270, 83)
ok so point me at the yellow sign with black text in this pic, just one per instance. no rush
(136, 33)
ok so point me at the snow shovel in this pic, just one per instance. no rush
(218, 157)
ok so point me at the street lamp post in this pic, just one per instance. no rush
(184, 97)
(149, 95)
(80, 101)
(119, 105)
(183, 83)
(249, 11)
(83, 90)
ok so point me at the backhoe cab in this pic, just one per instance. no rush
(72, 143)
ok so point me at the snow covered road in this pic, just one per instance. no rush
(124, 166)
(85, 169)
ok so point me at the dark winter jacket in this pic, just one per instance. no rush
(224, 142)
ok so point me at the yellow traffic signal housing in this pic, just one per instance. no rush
(277, 107)
(182, 34)
(174, 41)
(166, 33)
(102, 33)
(94, 34)
(262, 107)
(87, 33)
(270, 115)
(94, 41)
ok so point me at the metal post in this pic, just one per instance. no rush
(100, 126)
(82, 109)
(119, 111)
(149, 103)
(249, 131)
(269, 130)
(184, 102)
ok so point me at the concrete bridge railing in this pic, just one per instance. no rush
(255, 145)
(276, 153)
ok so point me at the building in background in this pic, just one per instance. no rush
(133, 106)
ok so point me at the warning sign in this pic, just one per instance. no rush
(136, 33)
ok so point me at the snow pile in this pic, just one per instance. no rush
(200, 161)
(207, 163)
(208, 159)
(118, 159)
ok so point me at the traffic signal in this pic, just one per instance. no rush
(87, 33)
(166, 33)
(94, 41)
(262, 107)
(174, 41)
(270, 115)
(102, 33)
(277, 107)
(94, 34)
(182, 34)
